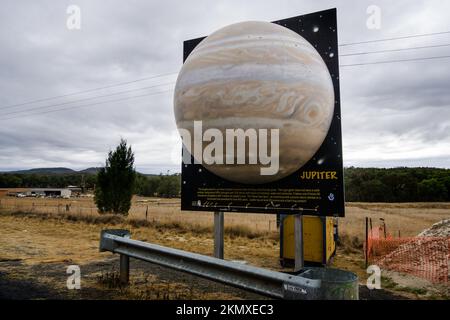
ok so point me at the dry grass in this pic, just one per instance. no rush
(408, 218)
(165, 217)
(45, 234)
(148, 287)
(39, 239)
(164, 211)
(165, 214)
(31, 237)
(350, 244)
(232, 231)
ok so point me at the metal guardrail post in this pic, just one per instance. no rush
(124, 265)
(124, 269)
(218, 234)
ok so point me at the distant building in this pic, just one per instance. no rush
(75, 188)
(50, 192)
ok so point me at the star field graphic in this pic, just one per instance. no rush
(317, 187)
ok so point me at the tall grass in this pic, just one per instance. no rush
(232, 231)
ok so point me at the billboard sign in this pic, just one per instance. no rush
(257, 106)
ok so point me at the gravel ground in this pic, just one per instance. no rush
(48, 281)
(439, 229)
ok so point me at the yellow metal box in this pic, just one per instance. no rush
(319, 244)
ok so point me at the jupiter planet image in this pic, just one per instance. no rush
(257, 75)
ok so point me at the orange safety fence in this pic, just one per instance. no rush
(423, 257)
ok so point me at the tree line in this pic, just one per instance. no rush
(397, 184)
(144, 185)
(38, 180)
(361, 184)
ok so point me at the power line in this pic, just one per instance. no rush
(392, 61)
(155, 93)
(86, 99)
(396, 38)
(394, 50)
(88, 105)
(89, 90)
(172, 73)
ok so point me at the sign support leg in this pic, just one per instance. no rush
(298, 238)
(218, 234)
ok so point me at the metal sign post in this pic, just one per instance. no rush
(298, 238)
(218, 234)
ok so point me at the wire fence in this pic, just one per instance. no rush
(165, 211)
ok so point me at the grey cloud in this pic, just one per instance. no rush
(126, 41)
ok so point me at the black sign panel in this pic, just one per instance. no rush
(317, 188)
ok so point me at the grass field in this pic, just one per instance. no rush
(47, 236)
(408, 218)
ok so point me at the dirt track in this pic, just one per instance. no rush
(47, 282)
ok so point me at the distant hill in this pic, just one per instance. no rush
(92, 170)
(43, 171)
(63, 171)
(54, 171)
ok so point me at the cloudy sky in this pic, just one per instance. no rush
(394, 114)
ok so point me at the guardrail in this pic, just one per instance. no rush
(262, 281)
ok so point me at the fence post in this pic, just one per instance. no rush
(367, 242)
(371, 235)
